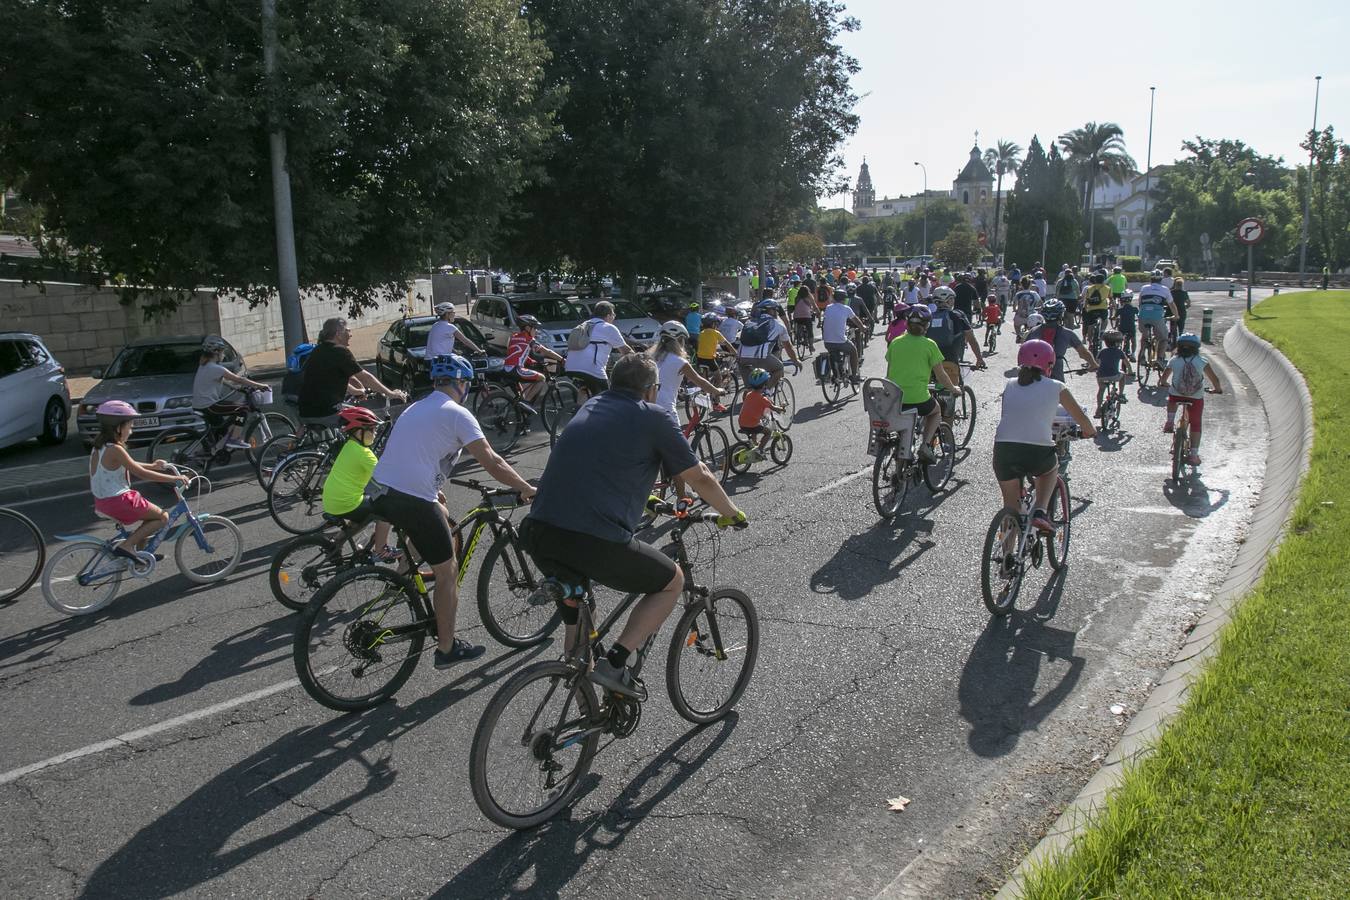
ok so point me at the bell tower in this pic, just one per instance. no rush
(864, 197)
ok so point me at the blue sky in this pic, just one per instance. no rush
(934, 73)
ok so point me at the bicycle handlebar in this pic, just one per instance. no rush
(483, 489)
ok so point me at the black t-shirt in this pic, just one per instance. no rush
(323, 382)
(868, 293)
(966, 297)
(599, 475)
(954, 323)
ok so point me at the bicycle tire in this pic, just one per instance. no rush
(938, 474)
(963, 422)
(263, 428)
(1000, 592)
(295, 500)
(1057, 545)
(559, 681)
(1178, 448)
(361, 636)
(501, 418)
(304, 564)
(19, 536)
(228, 536)
(502, 619)
(890, 481)
(738, 457)
(830, 384)
(990, 341)
(82, 554)
(181, 447)
(272, 453)
(712, 448)
(701, 637)
(780, 448)
(559, 406)
(786, 397)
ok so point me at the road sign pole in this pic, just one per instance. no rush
(1251, 272)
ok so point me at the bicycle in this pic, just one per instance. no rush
(803, 335)
(1012, 546)
(991, 333)
(895, 440)
(559, 403)
(363, 613)
(783, 395)
(838, 373)
(22, 553)
(311, 436)
(709, 441)
(1150, 362)
(1181, 443)
(199, 449)
(504, 415)
(745, 453)
(84, 576)
(540, 732)
(959, 409)
(1111, 400)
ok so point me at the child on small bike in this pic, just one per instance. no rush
(110, 471)
(1184, 377)
(754, 407)
(1113, 364)
(345, 487)
(1126, 315)
(993, 313)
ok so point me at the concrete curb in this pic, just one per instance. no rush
(1289, 414)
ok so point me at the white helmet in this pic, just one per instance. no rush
(674, 328)
(443, 308)
(944, 296)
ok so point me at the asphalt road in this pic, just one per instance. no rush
(880, 674)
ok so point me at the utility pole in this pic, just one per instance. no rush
(1148, 176)
(288, 283)
(924, 251)
(1307, 196)
(1045, 238)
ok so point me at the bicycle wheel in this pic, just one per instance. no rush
(712, 655)
(22, 554)
(711, 447)
(1145, 370)
(304, 564)
(506, 583)
(271, 454)
(1001, 571)
(102, 574)
(1178, 451)
(344, 654)
(890, 480)
(786, 397)
(830, 384)
(732, 384)
(741, 457)
(559, 406)
(263, 428)
(502, 420)
(205, 564)
(534, 744)
(990, 340)
(780, 448)
(181, 447)
(963, 420)
(296, 498)
(937, 474)
(1057, 547)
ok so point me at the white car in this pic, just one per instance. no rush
(34, 398)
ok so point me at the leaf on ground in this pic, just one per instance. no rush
(898, 804)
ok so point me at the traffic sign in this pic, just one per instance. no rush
(983, 238)
(1250, 230)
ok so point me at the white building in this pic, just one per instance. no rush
(1123, 203)
(973, 189)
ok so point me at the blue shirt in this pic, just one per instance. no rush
(1108, 362)
(1127, 315)
(693, 322)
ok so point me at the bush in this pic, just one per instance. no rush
(1144, 276)
(1130, 263)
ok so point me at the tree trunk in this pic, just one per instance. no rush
(998, 208)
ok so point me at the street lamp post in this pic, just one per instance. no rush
(924, 252)
(1307, 197)
(288, 287)
(1148, 175)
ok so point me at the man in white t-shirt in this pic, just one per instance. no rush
(763, 337)
(834, 329)
(587, 366)
(443, 335)
(1039, 284)
(406, 486)
(731, 326)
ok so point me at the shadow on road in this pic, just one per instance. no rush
(253, 648)
(547, 858)
(1193, 497)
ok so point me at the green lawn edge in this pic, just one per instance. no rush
(1246, 792)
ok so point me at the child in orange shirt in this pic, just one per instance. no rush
(993, 314)
(754, 406)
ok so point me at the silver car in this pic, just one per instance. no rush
(34, 399)
(155, 376)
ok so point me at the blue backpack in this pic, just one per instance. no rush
(295, 360)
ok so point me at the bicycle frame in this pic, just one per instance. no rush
(93, 571)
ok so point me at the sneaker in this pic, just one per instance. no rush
(1169, 428)
(460, 651)
(1193, 459)
(233, 444)
(927, 455)
(612, 678)
(387, 554)
(1040, 520)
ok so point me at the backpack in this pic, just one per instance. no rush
(757, 333)
(579, 338)
(1067, 288)
(942, 330)
(1189, 381)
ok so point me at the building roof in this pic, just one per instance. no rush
(975, 170)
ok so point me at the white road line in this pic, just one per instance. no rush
(838, 481)
(123, 740)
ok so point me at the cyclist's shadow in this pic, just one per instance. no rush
(547, 858)
(998, 689)
(1192, 497)
(879, 554)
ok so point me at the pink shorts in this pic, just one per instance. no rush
(128, 508)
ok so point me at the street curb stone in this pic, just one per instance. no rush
(1288, 407)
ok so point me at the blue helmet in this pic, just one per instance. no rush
(767, 306)
(1188, 338)
(757, 378)
(451, 366)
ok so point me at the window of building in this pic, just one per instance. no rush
(1124, 223)
(965, 197)
(984, 195)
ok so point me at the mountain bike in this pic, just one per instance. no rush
(898, 463)
(745, 453)
(541, 731)
(199, 449)
(504, 415)
(362, 633)
(838, 374)
(22, 553)
(85, 575)
(316, 437)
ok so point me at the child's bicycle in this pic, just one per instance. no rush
(85, 575)
(199, 449)
(1181, 444)
(745, 453)
(1111, 401)
(991, 333)
(894, 440)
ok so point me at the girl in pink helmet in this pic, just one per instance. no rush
(1023, 445)
(110, 471)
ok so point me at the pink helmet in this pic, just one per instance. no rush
(1037, 354)
(116, 409)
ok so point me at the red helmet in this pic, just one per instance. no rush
(1037, 354)
(354, 417)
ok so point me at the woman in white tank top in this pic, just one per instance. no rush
(110, 471)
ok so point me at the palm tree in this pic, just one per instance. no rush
(1003, 160)
(1096, 149)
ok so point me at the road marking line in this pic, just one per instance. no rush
(838, 481)
(127, 738)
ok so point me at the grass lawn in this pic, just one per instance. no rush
(1248, 794)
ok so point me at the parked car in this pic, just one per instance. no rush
(155, 376)
(666, 304)
(499, 317)
(34, 398)
(638, 328)
(401, 357)
(1167, 264)
(526, 282)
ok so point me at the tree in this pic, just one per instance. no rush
(1002, 160)
(833, 225)
(687, 136)
(1108, 235)
(1329, 224)
(138, 129)
(1044, 193)
(1096, 150)
(801, 247)
(960, 248)
(944, 214)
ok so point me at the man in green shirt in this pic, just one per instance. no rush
(1117, 283)
(912, 361)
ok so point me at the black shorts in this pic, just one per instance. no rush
(571, 556)
(1070, 305)
(1094, 315)
(590, 382)
(1013, 460)
(923, 409)
(421, 521)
